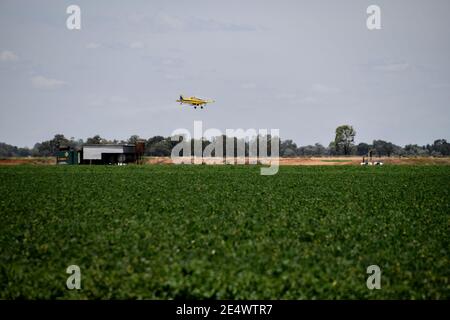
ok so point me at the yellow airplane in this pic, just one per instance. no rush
(193, 101)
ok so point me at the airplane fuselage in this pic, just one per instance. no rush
(193, 101)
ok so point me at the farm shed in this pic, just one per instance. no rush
(109, 154)
(101, 154)
(66, 155)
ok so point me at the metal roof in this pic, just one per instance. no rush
(95, 151)
(110, 145)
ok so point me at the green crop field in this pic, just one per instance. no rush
(214, 232)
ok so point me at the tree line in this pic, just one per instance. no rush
(343, 144)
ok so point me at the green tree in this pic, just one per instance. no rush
(345, 136)
(158, 147)
(288, 148)
(7, 150)
(50, 147)
(415, 150)
(441, 147)
(150, 143)
(362, 149)
(332, 148)
(383, 148)
(96, 140)
(133, 139)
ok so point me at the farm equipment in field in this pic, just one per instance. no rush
(369, 162)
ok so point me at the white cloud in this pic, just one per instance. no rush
(392, 67)
(201, 24)
(118, 99)
(98, 101)
(137, 45)
(248, 85)
(173, 77)
(309, 100)
(167, 22)
(42, 82)
(294, 99)
(171, 62)
(323, 89)
(286, 95)
(6, 55)
(93, 45)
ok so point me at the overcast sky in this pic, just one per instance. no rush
(303, 67)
